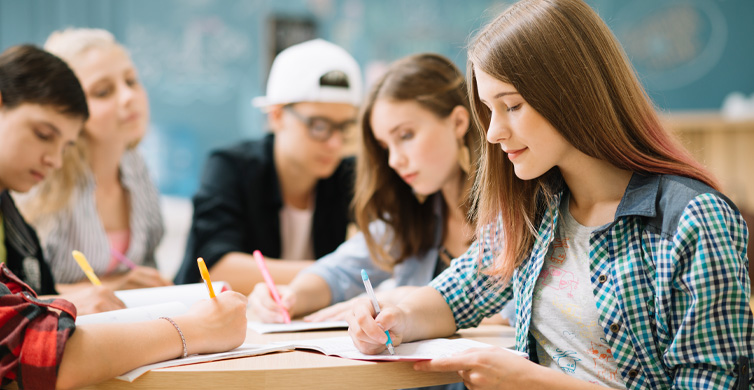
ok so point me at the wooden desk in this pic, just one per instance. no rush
(303, 370)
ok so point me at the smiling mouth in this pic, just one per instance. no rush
(514, 153)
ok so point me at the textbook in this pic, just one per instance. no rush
(244, 350)
(295, 326)
(418, 350)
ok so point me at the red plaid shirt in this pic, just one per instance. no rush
(33, 333)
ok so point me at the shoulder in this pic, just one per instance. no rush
(343, 177)
(246, 153)
(681, 197)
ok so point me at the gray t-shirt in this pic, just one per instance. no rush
(564, 314)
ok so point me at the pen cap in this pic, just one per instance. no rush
(364, 275)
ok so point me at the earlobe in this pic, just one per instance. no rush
(460, 117)
(275, 117)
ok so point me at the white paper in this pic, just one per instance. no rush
(135, 314)
(418, 350)
(187, 294)
(242, 351)
(295, 326)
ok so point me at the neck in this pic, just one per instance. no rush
(596, 188)
(452, 192)
(296, 187)
(104, 161)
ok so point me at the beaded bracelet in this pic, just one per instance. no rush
(183, 339)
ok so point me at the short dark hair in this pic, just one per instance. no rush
(29, 74)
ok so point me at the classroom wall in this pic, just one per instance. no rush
(202, 61)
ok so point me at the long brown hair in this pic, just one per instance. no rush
(566, 63)
(438, 86)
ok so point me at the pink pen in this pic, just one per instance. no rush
(271, 284)
(123, 259)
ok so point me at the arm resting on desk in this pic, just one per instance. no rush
(241, 272)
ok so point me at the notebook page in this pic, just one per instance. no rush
(135, 314)
(418, 350)
(243, 351)
(187, 294)
(295, 326)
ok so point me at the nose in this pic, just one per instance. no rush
(126, 94)
(336, 140)
(54, 158)
(498, 129)
(396, 159)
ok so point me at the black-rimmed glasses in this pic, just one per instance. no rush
(321, 128)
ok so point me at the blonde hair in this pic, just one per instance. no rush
(54, 193)
(566, 63)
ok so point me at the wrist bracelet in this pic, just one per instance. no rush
(183, 339)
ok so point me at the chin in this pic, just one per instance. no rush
(324, 172)
(526, 175)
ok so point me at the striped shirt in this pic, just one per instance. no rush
(78, 227)
(669, 277)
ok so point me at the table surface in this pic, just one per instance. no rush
(302, 369)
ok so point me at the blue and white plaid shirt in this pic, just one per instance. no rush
(670, 282)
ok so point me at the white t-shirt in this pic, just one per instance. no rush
(564, 313)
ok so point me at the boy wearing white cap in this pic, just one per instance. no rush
(287, 194)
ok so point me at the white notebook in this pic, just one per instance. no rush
(418, 350)
(134, 314)
(184, 293)
(243, 351)
(295, 326)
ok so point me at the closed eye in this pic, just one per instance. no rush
(514, 108)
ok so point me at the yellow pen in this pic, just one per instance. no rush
(81, 259)
(205, 276)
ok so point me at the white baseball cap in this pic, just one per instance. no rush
(296, 76)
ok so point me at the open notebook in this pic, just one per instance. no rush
(243, 351)
(146, 304)
(418, 350)
(295, 326)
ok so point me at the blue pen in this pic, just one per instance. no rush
(376, 306)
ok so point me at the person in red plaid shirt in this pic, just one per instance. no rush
(42, 111)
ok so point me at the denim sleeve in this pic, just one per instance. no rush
(342, 269)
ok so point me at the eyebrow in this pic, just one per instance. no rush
(501, 94)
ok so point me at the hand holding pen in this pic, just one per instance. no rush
(376, 307)
(271, 285)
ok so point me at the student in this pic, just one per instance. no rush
(412, 183)
(102, 202)
(627, 267)
(287, 194)
(42, 110)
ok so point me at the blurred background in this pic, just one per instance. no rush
(202, 61)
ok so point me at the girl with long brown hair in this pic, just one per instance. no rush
(627, 266)
(411, 193)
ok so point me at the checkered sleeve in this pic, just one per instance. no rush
(710, 320)
(33, 334)
(471, 294)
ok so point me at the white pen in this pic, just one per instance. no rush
(370, 293)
